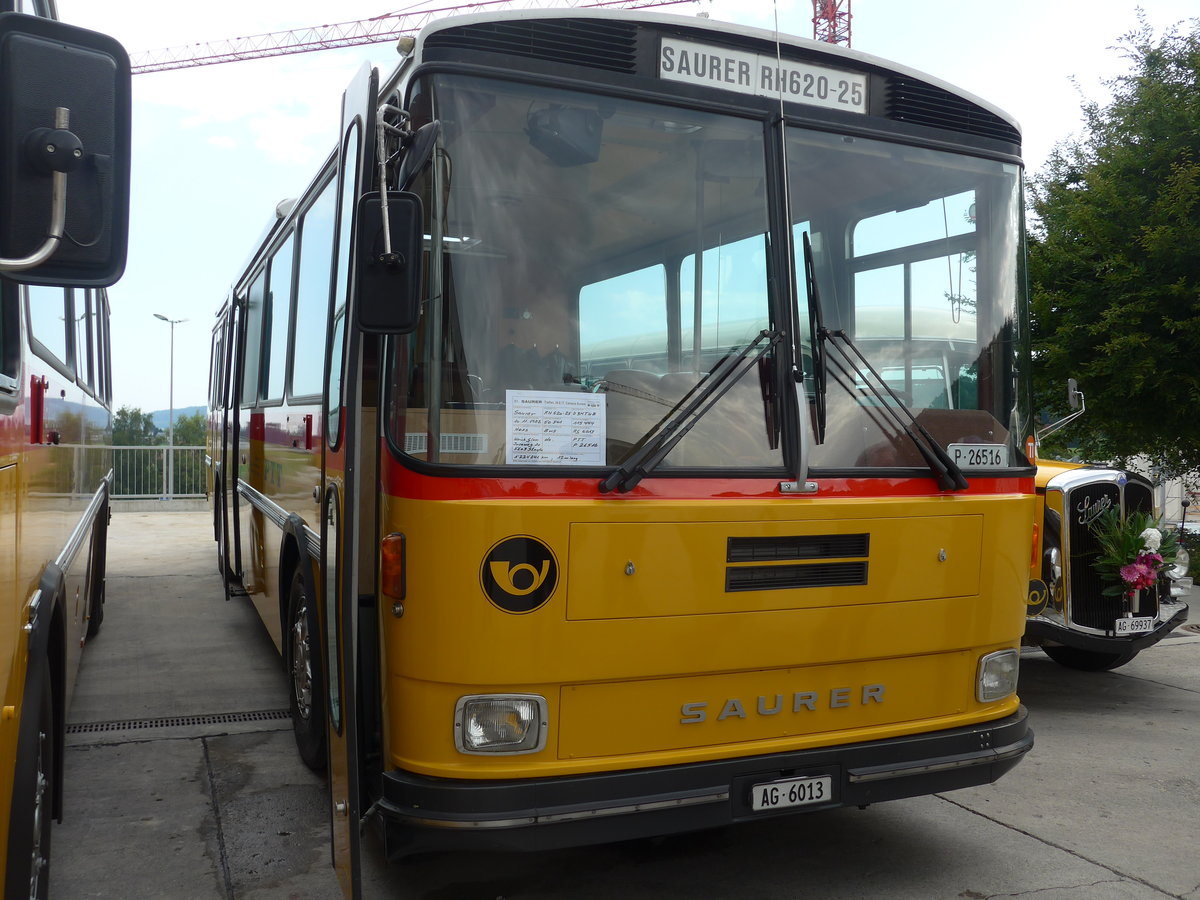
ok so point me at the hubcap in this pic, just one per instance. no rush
(37, 863)
(301, 662)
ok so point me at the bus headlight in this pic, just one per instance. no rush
(997, 676)
(1183, 561)
(500, 723)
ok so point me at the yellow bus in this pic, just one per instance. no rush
(64, 176)
(569, 436)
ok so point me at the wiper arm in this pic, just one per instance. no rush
(670, 430)
(816, 328)
(947, 473)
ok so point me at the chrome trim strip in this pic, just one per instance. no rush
(986, 757)
(71, 549)
(575, 815)
(263, 503)
(278, 515)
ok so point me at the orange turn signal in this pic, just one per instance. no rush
(391, 566)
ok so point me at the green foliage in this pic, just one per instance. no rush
(1122, 543)
(1112, 261)
(190, 430)
(134, 428)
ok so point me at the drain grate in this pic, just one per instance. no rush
(264, 715)
(1194, 628)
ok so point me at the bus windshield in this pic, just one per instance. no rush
(592, 259)
(915, 255)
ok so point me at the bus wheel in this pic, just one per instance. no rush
(306, 675)
(1087, 660)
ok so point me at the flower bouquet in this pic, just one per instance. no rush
(1133, 551)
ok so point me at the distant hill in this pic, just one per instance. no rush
(162, 417)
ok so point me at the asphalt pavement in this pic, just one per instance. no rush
(182, 782)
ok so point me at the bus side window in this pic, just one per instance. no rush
(278, 314)
(10, 337)
(312, 295)
(49, 312)
(252, 365)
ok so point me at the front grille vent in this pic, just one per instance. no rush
(775, 578)
(783, 549)
(596, 44)
(817, 546)
(910, 100)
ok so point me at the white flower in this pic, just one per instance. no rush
(1152, 538)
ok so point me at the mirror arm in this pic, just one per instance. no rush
(388, 256)
(58, 195)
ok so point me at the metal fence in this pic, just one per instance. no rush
(158, 473)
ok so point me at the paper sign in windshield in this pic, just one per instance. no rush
(552, 428)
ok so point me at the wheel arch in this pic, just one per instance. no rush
(294, 551)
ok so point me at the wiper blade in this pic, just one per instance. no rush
(816, 328)
(670, 430)
(945, 471)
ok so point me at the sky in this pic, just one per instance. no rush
(215, 148)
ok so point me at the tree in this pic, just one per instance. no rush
(134, 428)
(1113, 260)
(190, 431)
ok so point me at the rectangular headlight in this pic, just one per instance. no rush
(500, 723)
(997, 677)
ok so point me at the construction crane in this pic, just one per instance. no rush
(831, 23)
(375, 30)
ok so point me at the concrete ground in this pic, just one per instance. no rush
(182, 781)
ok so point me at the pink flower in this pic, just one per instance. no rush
(1142, 572)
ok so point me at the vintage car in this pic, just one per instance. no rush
(1069, 617)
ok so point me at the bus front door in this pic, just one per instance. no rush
(343, 469)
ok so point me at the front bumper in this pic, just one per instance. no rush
(1039, 630)
(420, 814)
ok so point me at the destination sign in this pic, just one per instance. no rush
(761, 75)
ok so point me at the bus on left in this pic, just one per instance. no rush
(64, 213)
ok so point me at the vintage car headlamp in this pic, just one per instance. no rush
(1052, 565)
(500, 723)
(997, 677)
(1183, 561)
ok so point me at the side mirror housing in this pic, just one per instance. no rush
(65, 109)
(388, 271)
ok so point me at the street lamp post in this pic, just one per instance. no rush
(171, 421)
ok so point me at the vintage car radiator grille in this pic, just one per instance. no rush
(1089, 607)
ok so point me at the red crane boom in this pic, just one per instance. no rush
(344, 34)
(831, 23)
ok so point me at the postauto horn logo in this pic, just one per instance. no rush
(519, 574)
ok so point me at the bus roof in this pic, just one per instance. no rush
(722, 32)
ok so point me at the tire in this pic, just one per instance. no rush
(1087, 660)
(28, 872)
(306, 677)
(96, 583)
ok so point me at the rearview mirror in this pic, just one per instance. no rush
(1073, 395)
(388, 263)
(64, 153)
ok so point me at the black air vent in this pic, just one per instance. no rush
(776, 578)
(599, 45)
(915, 101)
(817, 546)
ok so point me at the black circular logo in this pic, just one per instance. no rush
(519, 574)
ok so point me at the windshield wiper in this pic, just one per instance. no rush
(816, 328)
(947, 473)
(670, 430)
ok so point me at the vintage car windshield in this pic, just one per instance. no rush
(591, 260)
(915, 253)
